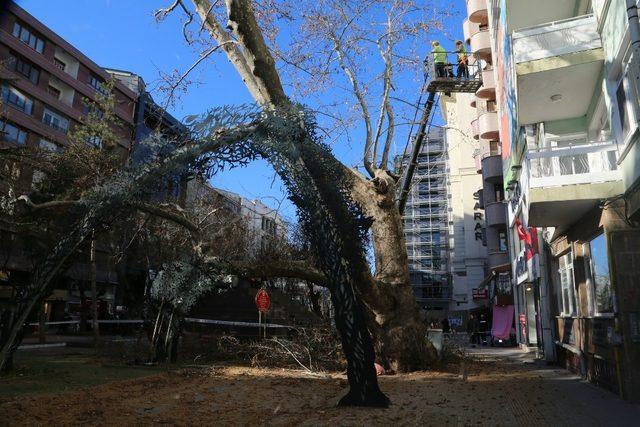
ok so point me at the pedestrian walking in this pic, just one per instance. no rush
(472, 329)
(446, 328)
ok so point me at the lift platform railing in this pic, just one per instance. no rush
(438, 81)
(451, 77)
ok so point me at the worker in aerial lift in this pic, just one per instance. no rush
(439, 59)
(463, 60)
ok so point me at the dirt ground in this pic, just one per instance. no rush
(494, 393)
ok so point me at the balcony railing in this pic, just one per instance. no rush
(556, 38)
(573, 164)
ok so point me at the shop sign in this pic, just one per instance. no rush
(480, 293)
(477, 217)
(503, 284)
(526, 269)
(522, 273)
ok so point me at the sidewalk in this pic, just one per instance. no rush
(574, 401)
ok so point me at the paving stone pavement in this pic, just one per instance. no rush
(549, 395)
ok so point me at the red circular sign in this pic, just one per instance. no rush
(262, 301)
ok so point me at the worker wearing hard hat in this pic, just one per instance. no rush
(439, 59)
(463, 60)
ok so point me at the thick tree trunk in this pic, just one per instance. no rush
(399, 328)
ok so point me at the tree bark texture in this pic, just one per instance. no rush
(399, 328)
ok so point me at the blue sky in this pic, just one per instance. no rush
(123, 34)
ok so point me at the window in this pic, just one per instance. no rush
(26, 69)
(268, 225)
(92, 109)
(502, 241)
(58, 63)
(28, 38)
(95, 83)
(12, 133)
(623, 99)
(96, 141)
(598, 269)
(568, 291)
(48, 145)
(499, 190)
(55, 120)
(17, 99)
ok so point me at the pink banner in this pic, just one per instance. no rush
(502, 321)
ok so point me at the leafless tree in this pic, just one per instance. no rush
(359, 52)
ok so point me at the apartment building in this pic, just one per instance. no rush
(426, 228)
(568, 116)
(467, 250)
(45, 82)
(486, 129)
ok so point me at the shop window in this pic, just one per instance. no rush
(567, 285)
(598, 266)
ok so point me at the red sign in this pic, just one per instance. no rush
(480, 293)
(262, 301)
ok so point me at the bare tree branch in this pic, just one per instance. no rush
(355, 87)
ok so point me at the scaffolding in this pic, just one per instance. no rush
(424, 194)
(425, 221)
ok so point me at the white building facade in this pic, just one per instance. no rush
(467, 251)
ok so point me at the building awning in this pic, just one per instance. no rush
(502, 268)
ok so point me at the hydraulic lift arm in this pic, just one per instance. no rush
(417, 144)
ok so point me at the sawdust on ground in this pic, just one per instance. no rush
(235, 395)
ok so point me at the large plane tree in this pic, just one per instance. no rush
(361, 53)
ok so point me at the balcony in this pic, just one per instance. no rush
(565, 182)
(488, 88)
(469, 29)
(497, 258)
(496, 214)
(475, 130)
(481, 44)
(488, 125)
(477, 158)
(492, 168)
(477, 11)
(558, 65)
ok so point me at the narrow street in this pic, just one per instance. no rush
(503, 387)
